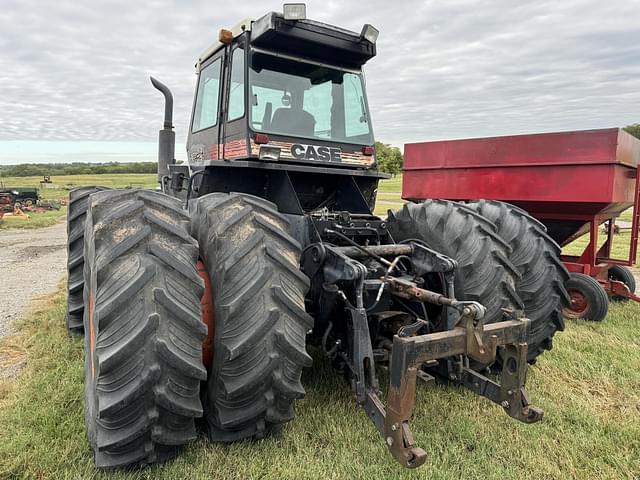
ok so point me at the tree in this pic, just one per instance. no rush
(633, 129)
(389, 158)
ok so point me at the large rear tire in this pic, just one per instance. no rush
(484, 273)
(542, 274)
(76, 215)
(143, 342)
(260, 321)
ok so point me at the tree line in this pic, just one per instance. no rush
(55, 169)
(633, 129)
(389, 160)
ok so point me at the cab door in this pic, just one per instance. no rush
(234, 129)
(203, 142)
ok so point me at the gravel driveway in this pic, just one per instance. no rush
(32, 262)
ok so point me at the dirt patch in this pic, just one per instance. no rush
(32, 262)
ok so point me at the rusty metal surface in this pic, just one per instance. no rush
(617, 288)
(410, 291)
(472, 339)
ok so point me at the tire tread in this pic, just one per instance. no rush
(141, 405)
(250, 255)
(536, 256)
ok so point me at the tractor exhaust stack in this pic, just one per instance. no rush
(166, 136)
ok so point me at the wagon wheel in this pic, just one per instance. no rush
(622, 274)
(589, 300)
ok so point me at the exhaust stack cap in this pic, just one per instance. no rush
(294, 11)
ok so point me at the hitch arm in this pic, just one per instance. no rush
(409, 353)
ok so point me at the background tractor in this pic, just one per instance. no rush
(200, 299)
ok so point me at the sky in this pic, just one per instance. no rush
(74, 80)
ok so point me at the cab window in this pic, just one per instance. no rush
(208, 97)
(236, 88)
(298, 99)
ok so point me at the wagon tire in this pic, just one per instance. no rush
(589, 301)
(260, 321)
(76, 215)
(624, 275)
(143, 342)
(542, 274)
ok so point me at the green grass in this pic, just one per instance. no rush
(61, 185)
(589, 386)
(60, 190)
(619, 250)
(35, 220)
(388, 196)
(620, 245)
(393, 185)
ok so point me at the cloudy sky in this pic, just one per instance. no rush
(74, 74)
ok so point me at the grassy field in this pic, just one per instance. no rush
(60, 185)
(589, 386)
(34, 220)
(59, 189)
(620, 246)
(388, 199)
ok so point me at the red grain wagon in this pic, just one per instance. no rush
(572, 182)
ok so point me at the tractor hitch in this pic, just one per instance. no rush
(347, 273)
(470, 339)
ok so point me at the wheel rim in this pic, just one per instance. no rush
(208, 315)
(579, 304)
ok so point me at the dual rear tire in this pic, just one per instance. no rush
(144, 332)
(505, 259)
(143, 341)
(542, 275)
(76, 215)
(260, 320)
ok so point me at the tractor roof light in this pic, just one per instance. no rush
(294, 11)
(369, 33)
(225, 36)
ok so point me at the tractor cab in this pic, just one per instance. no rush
(283, 97)
(284, 89)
